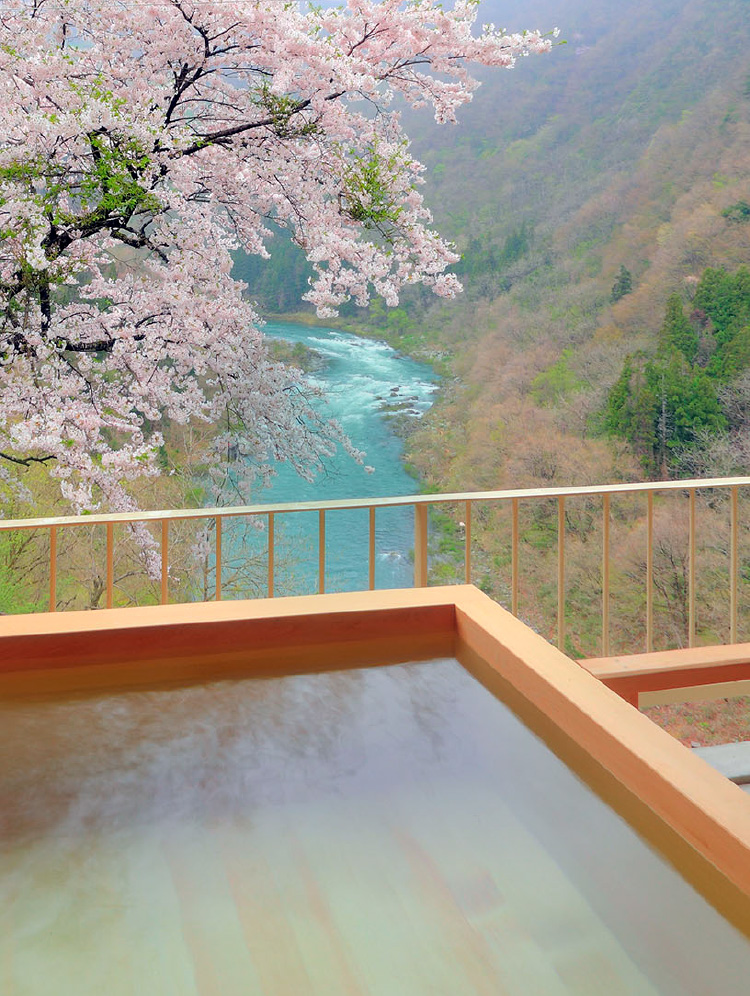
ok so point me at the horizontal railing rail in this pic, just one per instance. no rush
(230, 511)
(421, 505)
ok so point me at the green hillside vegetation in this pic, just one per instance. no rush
(672, 400)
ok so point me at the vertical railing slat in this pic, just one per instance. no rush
(467, 543)
(321, 551)
(691, 571)
(218, 557)
(53, 569)
(271, 553)
(164, 561)
(514, 557)
(561, 573)
(605, 576)
(420, 546)
(733, 565)
(110, 565)
(649, 572)
(371, 552)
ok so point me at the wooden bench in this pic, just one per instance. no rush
(633, 674)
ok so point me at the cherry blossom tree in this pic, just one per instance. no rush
(140, 144)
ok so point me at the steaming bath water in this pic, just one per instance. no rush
(395, 831)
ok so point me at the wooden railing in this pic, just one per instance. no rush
(421, 505)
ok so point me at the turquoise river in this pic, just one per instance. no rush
(365, 381)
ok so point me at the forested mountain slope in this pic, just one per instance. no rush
(622, 148)
(584, 190)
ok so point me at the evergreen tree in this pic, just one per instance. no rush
(676, 332)
(662, 404)
(632, 410)
(734, 357)
(688, 396)
(725, 300)
(623, 284)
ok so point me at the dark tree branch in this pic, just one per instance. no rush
(100, 346)
(222, 137)
(26, 461)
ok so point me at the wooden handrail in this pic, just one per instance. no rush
(233, 511)
(421, 505)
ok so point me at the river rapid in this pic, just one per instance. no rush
(365, 382)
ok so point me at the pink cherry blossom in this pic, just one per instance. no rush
(140, 144)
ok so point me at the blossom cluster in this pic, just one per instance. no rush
(140, 146)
